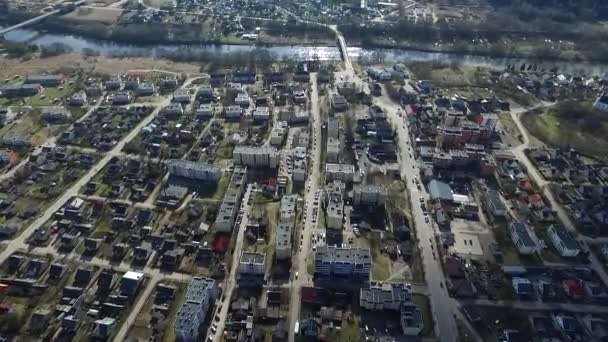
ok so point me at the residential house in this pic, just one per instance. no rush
(20, 90)
(45, 80)
(55, 114)
(339, 103)
(131, 282)
(121, 98)
(145, 89)
(78, 99)
(181, 96)
(601, 103)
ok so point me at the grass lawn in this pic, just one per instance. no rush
(425, 310)
(224, 151)
(310, 266)
(222, 185)
(48, 95)
(348, 332)
(141, 327)
(380, 262)
(571, 124)
(102, 228)
(26, 124)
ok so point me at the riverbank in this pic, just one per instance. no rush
(201, 52)
(496, 44)
(150, 34)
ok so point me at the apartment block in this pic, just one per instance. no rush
(369, 195)
(224, 221)
(287, 219)
(198, 171)
(387, 296)
(278, 133)
(343, 263)
(252, 264)
(193, 312)
(333, 150)
(298, 173)
(256, 156)
(342, 172)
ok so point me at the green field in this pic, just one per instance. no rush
(571, 125)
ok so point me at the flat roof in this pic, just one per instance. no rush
(133, 275)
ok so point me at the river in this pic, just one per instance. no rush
(79, 43)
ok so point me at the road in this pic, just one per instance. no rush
(29, 22)
(533, 172)
(230, 283)
(299, 260)
(442, 304)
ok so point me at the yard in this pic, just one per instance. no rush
(349, 331)
(143, 329)
(570, 124)
(381, 263)
(427, 317)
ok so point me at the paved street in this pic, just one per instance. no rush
(230, 281)
(442, 305)
(299, 260)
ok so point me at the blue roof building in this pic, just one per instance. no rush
(193, 311)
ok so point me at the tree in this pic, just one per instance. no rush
(10, 323)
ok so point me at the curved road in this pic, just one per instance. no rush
(533, 172)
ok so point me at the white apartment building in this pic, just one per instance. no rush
(343, 172)
(224, 221)
(278, 132)
(261, 114)
(298, 174)
(256, 156)
(233, 112)
(334, 204)
(333, 150)
(333, 128)
(252, 264)
(194, 170)
(287, 219)
(368, 195)
(343, 263)
(387, 296)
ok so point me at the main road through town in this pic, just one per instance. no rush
(442, 305)
(299, 260)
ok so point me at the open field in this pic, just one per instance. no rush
(158, 3)
(105, 65)
(102, 15)
(572, 124)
